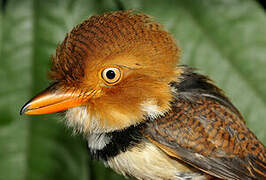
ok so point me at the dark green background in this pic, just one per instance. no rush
(225, 39)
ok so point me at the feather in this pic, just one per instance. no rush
(206, 131)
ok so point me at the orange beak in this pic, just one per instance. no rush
(51, 101)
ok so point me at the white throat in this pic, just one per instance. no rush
(98, 141)
(82, 121)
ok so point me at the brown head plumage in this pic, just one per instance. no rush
(101, 39)
(144, 55)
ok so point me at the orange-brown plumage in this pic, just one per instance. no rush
(208, 130)
(131, 40)
(118, 80)
(114, 37)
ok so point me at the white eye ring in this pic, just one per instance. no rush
(111, 75)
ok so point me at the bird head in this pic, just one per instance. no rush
(109, 73)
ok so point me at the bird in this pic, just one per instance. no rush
(117, 80)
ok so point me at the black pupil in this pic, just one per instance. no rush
(110, 74)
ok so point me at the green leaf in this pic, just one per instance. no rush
(224, 39)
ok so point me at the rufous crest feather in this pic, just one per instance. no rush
(105, 36)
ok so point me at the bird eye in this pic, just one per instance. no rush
(111, 75)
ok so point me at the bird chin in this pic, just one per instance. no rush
(86, 123)
(81, 121)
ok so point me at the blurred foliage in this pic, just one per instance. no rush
(224, 39)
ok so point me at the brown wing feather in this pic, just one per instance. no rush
(210, 136)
